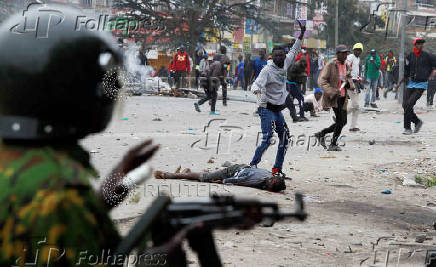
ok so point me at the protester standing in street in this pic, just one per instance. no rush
(419, 67)
(142, 57)
(204, 63)
(391, 62)
(383, 70)
(314, 71)
(431, 89)
(372, 74)
(171, 74)
(353, 60)
(181, 66)
(335, 80)
(199, 52)
(248, 71)
(259, 63)
(270, 88)
(239, 73)
(303, 55)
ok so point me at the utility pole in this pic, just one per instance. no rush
(337, 24)
(402, 41)
(251, 36)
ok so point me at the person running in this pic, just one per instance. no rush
(210, 81)
(419, 66)
(336, 81)
(270, 87)
(353, 60)
(238, 174)
(372, 74)
(225, 63)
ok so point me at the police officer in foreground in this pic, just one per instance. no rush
(51, 96)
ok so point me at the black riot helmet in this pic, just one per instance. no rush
(54, 60)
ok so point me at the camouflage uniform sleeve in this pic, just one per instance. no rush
(67, 227)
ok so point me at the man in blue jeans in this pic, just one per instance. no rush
(270, 88)
(372, 74)
(295, 76)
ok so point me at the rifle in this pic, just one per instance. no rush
(169, 223)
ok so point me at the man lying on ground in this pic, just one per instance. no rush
(238, 174)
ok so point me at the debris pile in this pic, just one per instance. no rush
(418, 172)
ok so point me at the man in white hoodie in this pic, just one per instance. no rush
(270, 88)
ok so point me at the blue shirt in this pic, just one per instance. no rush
(258, 66)
(241, 68)
(421, 85)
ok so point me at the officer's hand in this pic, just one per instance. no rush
(136, 156)
(113, 192)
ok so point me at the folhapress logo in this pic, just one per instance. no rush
(39, 19)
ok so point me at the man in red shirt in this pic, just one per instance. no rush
(304, 53)
(383, 69)
(181, 66)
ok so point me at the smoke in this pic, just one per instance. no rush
(141, 75)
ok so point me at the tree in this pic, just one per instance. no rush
(351, 18)
(188, 22)
(356, 24)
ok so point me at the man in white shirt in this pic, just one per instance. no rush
(353, 60)
(312, 102)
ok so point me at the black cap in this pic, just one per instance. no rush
(342, 48)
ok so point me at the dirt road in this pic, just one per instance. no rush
(350, 222)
